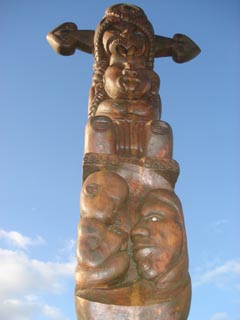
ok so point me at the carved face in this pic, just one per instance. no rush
(125, 39)
(125, 80)
(127, 76)
(157, 238)
(97, 242)
(102, 195)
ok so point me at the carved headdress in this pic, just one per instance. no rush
(124, 13)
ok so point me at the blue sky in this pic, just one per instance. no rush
(43, 106)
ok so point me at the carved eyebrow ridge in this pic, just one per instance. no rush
(165, 199)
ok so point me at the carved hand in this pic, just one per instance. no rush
(180, 47)
(66, 38)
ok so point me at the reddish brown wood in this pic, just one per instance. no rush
(132, 260)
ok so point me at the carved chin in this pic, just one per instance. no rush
(131, 87)
(144, 259)
(146, 270)
(152, 262)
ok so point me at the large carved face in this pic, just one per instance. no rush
(102, 196)
(127, 75)
(125, 39)
(157, 238)
(127, 81)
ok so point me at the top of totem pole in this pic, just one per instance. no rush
(121, 19)
(125, 89)
(66, 38)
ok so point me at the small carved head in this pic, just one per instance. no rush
(103, 195)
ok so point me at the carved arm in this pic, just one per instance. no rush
(66, 38)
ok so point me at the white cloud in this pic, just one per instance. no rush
(16, 239)
(52, 313)
(24, 280)
(27, 308)
(20, 274)
(221, 275)
(220, 316)
(68, 249)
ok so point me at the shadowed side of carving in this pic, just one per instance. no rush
(102, 245)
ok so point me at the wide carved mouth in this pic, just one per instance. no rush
(145, 247)
(129, 83)
(123, 47)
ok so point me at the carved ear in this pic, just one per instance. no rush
(180, 47)
(66, 38)
(184, 48)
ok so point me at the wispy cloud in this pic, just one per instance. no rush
(26, 275)
(27, 307)
(220, 316)
(24, 280)
(221, 275)
(219, 225)
(68, 249)
(17, 240)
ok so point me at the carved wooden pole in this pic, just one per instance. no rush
(132, 260)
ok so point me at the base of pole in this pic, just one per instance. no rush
(176, 309)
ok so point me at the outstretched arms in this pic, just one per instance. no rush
(66, 38)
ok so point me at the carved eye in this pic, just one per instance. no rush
(115, 29)
(91, 189)
(155, 217)
(139, 33)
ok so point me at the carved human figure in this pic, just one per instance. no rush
(159, 241)
(124, 95)
(102, 245)
(123, 98)
(130, 84)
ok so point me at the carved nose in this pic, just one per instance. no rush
(125, 33)
(127, 71)
(139, 231)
